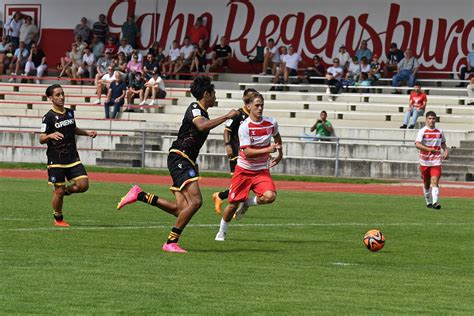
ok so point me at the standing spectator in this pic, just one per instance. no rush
(36, 61)
(394, 56)
(469, 68)
(133, 67)
(97, 47)
(323, 128)
(111, 47)
(125, 48)
(115, 95)
(173, 57)
(363, 51)
(88, 64)
(103, 64)
(155, 86)
(289, 67)
(416, 107)
(149, 66)
(19, 60)
(12, 29)
(130, 31)
(135, 88)
(271, 59)
(333, 78)
(101, 28)
(343, 57)
(199, 32)
(199, 60)
(6, 53)
(28, 31)
(221, 55)
(83, 30)
(316, 70)
(407, 69)
(186, 55)
(103, 83)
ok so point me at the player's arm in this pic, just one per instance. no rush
(83, 132)
(228, 146)
(278, 158)
(203, 125)
(47, 131)
(254, 152)
(445, 151)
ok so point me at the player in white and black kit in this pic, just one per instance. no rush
(182, 163)
(58, 131)
(231, 140)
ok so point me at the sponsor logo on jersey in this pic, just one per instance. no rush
(192, 173)
(64, 123)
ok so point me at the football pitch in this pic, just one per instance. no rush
(302, 255)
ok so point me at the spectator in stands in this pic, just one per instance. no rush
(416, 107)
(375, 68)
(363, 51)
(365, 80)
(149, 66)
(110, 46)
(186, 56)
(160, 57)
(81, 45)
(102, 65)
(364, 65)
(343, 57)
(136, 88)
(316, 70)
(154, 49)
(323, 129)
(28, 32)
(221, 56)
(6, 53)
(19, 60)
(353, 71)
(115, 95)
(407, 69)
(125, 48)
(199, 59)
(289, 66)
(333, 78)
(103, 83)
(394, 56)
(97, 47)
(83, 30)
(131, 31)
(172, 59)
(36, 61)
(469, 68)
(101, 28)
(120, 63)
(76, 61)
(138, 53)
(65, 66)
(133, 67)
(156, 87)
(199, 32)
(12, 29)
(88, 64)
(271, 59)
(470, 91)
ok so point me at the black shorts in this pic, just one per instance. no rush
(58, 175)
(182, 171)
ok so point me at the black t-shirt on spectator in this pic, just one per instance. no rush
(395, 57)
(225, 51)
(38, 57)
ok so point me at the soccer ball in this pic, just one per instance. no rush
(374, 240)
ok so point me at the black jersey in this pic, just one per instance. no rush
(61, 152)
(233, 124)
(190, 140)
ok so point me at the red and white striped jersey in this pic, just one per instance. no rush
(256, 135)
(432, 138)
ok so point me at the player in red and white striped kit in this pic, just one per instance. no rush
(252, 170)
(430, 140)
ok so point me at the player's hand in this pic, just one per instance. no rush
(276, 160)
(445, 155)
(56, 136)
(228, 150)
(274, 147)
(232, 113)
(92, 134)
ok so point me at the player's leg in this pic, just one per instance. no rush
(218, 197)
(435, 173)
(56, 177)
(425, 176)
(225, 220)
(264, 189)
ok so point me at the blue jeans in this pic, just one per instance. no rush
(404, 74)
(116, 109)
(415, 114)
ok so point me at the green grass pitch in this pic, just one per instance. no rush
(302, 255)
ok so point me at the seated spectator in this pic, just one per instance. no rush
(81, 45)
(221, 56)
(125, 48)
(76, 61)
(363, 51)
(97, 47)
(102, 65)
(186, 56)
(36, 61)
(83, 30)
(353, 71)
(364, 65)
(160, 57)
(323, 129)
(289, 66)
(19, 60)
(343, 57)
(6, 54)
(66, 63)
(316, 70)
(28, 32)
(103, 83)
(88, 64)
(172, 58)
(154, 49)
(470, 91)
(374, 72)
(136, 88)
(149, 66)
(416, 107)
(271, 59)
(199, 60)
(394, 56)
(333, 78)
(139, 54)
(134, 67)
(469, 68)
(115, 95)
(156, 87)
(407, 69)
(110, 46)
(101, 29)
(120, 63)
(365, 80)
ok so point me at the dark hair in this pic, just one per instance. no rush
(50, 89)
(271, 40)
(248, 90)
(417, 84)
(251, 96)
(248, 93)
(430, 113)
(324, 112)
(200, 85)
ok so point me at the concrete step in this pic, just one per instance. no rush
(460, 160)
(467, 144)
(135, 148)
(461, 152)
(118, 162)
(122, 155)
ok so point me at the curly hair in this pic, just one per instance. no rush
(201, 85)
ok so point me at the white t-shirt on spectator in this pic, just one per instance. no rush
(187, 51)
(292, 61)
(343, 58)
(159, 82)
(365, 68)
(174, 54)
(108, 77)
(335, 71)
(89, 60)
(127, 49)
(354, 68)
(275, 52)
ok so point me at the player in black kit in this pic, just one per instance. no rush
(182, 163)
(58, 131)
(232, 145)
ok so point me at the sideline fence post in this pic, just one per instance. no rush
(336, 167)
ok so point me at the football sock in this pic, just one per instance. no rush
(427, 194)
(252, 201)
(224, 195)
(435, 192)
(223, 226)
(58, 215)
(148, 198)
(174, 235)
